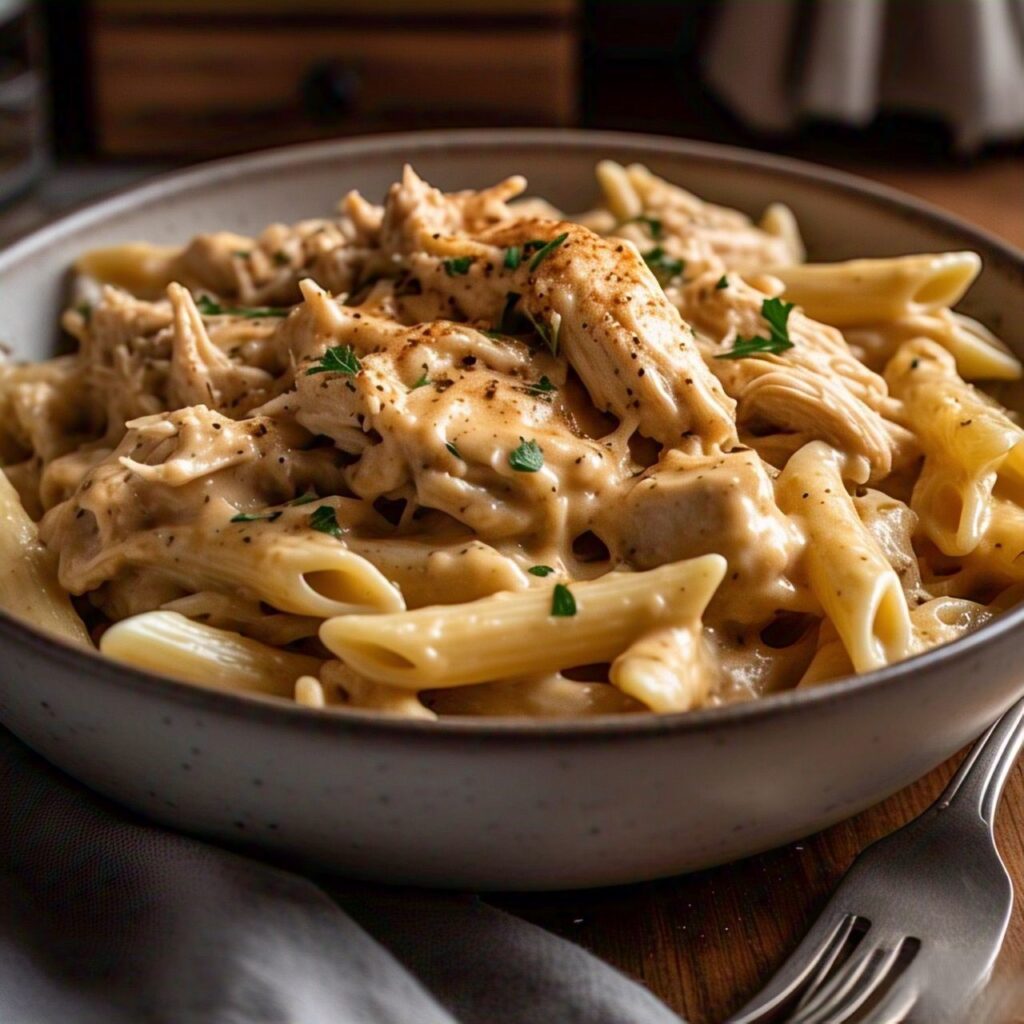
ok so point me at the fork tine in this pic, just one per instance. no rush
(813, 957)
(851, 987)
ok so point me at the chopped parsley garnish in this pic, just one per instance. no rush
(723, 282)
(304, 499)
(84, 310)
(495, 335)
(776, 314)
(208, 307)
(563, 604)
(254, 517)
(506, 324)
(540, 570)
(281, 258)
(241, 254)
(547, 250)
(459, 265)
(663, 265)
(542, 388)
(337, 359)
(653, 224)
(548, 333)
(325, 520)
(527, 458)
(513, 257)
(450, 445)
(421, 383)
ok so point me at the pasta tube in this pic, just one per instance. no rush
(306, 574)
(138, 267)
(170, 644)
(429, 573)
(510, 635)
(967, 439)
(848, 571)
(669, 669)
(869, 291)
(28, 573)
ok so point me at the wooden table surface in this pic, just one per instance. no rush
(704, 943)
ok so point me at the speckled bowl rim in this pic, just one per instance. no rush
(510, 729)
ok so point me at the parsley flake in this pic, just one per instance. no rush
(653, 224)
(542, 389)
(513, 257)
(527, 458)
(281, 258)
(241, 254)
(776, 314)
(254, 517)
(450, 445)
(337, 359)
(540, 570)
(325, 520)
(84, 310)
(547, 250)
(723, 282)
(563, 604)
(663, 265)
(208, 307)
(304, 499)
(421, 383)
(458, 266)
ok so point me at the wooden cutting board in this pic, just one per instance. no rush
(705, 943)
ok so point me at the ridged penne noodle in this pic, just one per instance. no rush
(141, 268)
(29, 588)
(169, 644)
(440, 572)
(938, 621)
(246, 616)
(967, 439)
(668, 669)
(848, 571)
(979, 354)
(870, 291)
(517, 634)
(305, 575)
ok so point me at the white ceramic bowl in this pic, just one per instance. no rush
(500, 803)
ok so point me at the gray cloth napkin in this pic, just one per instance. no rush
(107, 919)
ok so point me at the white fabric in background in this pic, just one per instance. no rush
(774, 62)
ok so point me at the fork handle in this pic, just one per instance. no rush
(978, 784)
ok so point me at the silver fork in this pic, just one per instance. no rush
(913, 930)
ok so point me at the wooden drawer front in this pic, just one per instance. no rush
(164, 89)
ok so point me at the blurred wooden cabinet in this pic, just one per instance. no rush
(193, 78)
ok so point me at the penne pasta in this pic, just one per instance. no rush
(518, 634)
(968, 442)
(873, 291)
(848, 571)
(668, 669)
(168, 643)
(29, 588)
